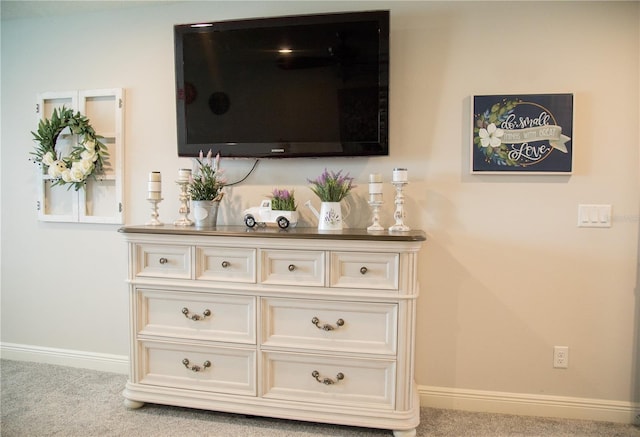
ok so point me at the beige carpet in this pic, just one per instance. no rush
(47, 400)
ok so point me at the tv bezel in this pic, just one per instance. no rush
(292, 149)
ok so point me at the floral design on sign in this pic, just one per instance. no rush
(526, 133)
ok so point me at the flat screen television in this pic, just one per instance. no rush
(293, 86)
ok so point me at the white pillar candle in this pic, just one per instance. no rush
(155, 185)
(184, 174)
(400, 175)
(375, 177)
(375, 187)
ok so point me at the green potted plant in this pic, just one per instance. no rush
(331, 188)
(205, 190)
(283, 200)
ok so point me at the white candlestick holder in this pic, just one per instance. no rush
(184, 205)
(154, 212)
(375, 207)
(398, 215)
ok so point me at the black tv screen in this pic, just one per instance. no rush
(295, 86)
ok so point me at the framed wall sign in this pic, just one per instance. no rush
(523, 133)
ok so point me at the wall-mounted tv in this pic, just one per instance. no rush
(294, 86)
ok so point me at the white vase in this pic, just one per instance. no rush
(205, 213)
(330, 216)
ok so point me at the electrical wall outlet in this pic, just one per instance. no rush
(561, 357)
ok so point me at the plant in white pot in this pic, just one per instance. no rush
(283, 200)
(205, 190)
(331, 188)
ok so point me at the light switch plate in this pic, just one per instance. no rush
(594, 216)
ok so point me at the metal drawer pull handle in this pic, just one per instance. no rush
(292, 267)
(326, 381)
(195, 367)
(225, 264)
(363, 270)
(163, 260)
(196, 317)
(326, 326)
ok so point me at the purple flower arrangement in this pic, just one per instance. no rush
(332, 186)
(283, 200)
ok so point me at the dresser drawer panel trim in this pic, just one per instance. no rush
(201, 316)
(226, 264)
(357, 327)
(364, 270)
(163, 261)
(329, 380)
(292, 267)
(213, 369)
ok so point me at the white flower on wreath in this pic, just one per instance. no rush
(56, 168)
(491, 136)
(85, 166)
(66, 176)
(48, 159)
(90, 155)
(90, 145)
(77, 174)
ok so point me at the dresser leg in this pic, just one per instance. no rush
(404, 433)
(132, 405)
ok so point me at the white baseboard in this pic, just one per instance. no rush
(529, 404)
(430, 396)
(66, 357)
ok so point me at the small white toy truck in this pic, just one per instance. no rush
(263, 215)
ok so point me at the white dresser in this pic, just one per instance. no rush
(295, 324)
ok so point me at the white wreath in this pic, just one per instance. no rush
(85, 159)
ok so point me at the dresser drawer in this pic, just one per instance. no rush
(292, 267)
(214, 369)
(330, 325)
(329, 380)
(226, 264)
(163, 261)
(202, 316)
(364, 270)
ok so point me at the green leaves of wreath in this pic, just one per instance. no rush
(86, 158)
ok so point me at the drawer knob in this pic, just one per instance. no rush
(195, 367)
(195, 317)
(292, 267)
(163, 260)
(363, 270)
(326, 381)
(326, 326)
(225, 264)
